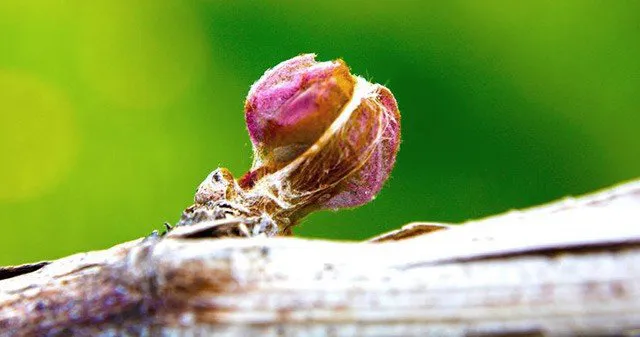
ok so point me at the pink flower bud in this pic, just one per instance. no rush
(375, 130)
(322, 138)
(293, 104)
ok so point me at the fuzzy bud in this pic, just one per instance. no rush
(293, 104)
(322, 138)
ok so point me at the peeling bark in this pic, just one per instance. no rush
(570, 268)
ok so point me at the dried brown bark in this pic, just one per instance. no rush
(568, 268)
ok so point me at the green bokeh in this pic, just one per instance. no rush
(112, 112)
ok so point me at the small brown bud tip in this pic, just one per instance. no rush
(322, 137)
(219, 185)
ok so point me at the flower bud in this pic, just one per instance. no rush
(293, 104)
(322, 137)
(373, 137)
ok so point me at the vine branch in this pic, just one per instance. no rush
(569, 268)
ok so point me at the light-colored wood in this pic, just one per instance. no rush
(570, 268)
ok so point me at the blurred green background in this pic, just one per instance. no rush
(112, 112)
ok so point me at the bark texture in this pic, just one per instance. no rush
(570, 268)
